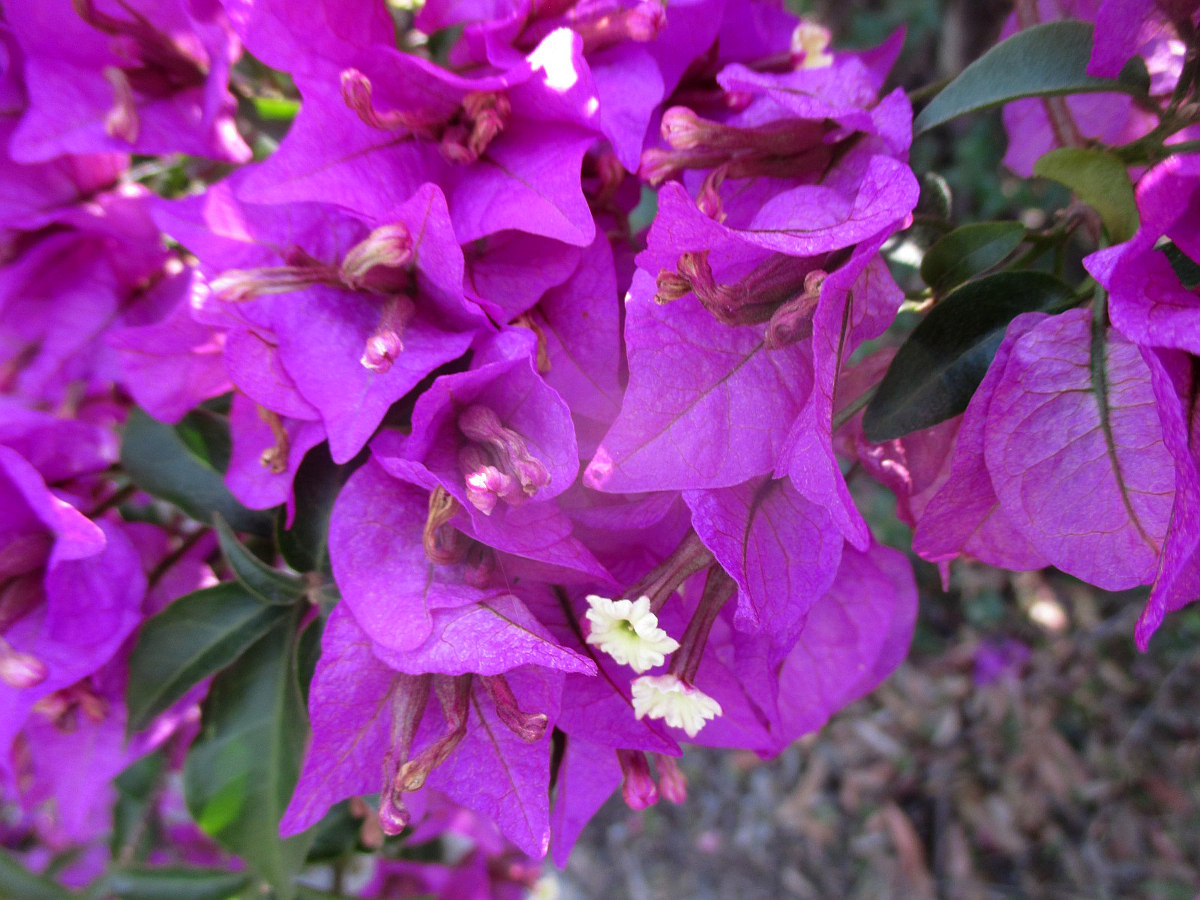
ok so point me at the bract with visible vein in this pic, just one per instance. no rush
(781, 550)
(857, 302)
(375, 546)
(1177, 584)
(1074, 447)
(965, 516)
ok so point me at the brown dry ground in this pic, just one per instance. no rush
(1078, 776)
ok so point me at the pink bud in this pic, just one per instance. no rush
(672, 783)
(639, 789)
(21, 670)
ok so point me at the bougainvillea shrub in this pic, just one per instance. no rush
(419, 425)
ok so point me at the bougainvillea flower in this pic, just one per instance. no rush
(359, 310)
(1125, 28)
(964, 515)
(708, 405)
(1073, 449)
(781, 549)
(1148, 302)
(70, 593)
(144, 76)
(1178, 579)
(636, 50)
(496, 436)
(487, 747)
(507, 149)
(175, 363)
(71, 285)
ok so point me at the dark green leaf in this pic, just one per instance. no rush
(936, 371)
(196, 636)
(176, 884)
(161, 463)
(17, 881)
(137, 787)
(266, 583)
(1043, 61)
(242, 768)
(336, 835)
(1100, 180)
(318, 480)
(969, 251)
(207, 435)
(936, 197)
(1187, 270)
(308, 654)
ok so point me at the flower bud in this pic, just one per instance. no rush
(20, 670)
(506, 451)
(385, 344)
(639, 789)
(393, 814)
(672, 783)
(387, 247)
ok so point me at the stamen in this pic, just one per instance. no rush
(443, 544)
(357, 93)
(275, 459)
(453, 693)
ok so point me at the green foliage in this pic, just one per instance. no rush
(936, 371)
(175, 883)
(243, 766)
(266, 583)
(161, 462)
(195, 637)
(969, 251)
(1100, 180)
(1043, 61)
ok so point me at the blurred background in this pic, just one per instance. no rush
(1025, 749)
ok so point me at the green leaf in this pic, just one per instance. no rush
(176, 883)
(242, 768)
(197, 635)
(268, 584)
(1043, 61)
(161, 463)
(1100, 180)
(207, 435)
(308, 654)
(336, 835)
(936, 371)
(17, 881)
(304, 545)
(969, 251)
(1187, 270)
(133, 834)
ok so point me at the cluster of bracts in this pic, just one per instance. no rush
(574, 302)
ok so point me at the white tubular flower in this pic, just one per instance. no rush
(670, 698)
(628, 632)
